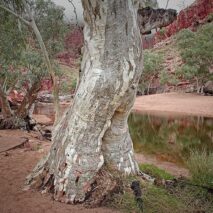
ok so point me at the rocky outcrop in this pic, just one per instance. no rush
(208, 88)
(148, 3)
(73, 44)
(187, 18)
(149, 18)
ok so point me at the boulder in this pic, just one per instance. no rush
(208, 88)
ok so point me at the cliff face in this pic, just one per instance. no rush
(73, 44)
(187, 18)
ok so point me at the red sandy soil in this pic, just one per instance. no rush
(15, 165)
(175, 103)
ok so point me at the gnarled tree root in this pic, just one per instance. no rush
(15, 122)
(27, 123)
(103, 185)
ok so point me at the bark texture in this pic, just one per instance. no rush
(29, 99)
(93, 134)
(5, 107)
(20, 118)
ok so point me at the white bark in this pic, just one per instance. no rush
(95, 131)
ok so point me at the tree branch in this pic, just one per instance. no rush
(47, 60)
(6, 110)
(167, 4)
(15, 14)
(74, 9)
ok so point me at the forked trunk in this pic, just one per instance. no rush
(20, 118)
(29, 99)
(93, 135)
(5, 107)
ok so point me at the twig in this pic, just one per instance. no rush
(15, 14)
(146, 177)
(167, 4)
(75, 12)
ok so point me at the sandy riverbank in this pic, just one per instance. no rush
(15, 165)
(175, 103)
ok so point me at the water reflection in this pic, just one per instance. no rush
(171, 138)
(168, 138)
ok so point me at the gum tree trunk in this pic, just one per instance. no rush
(5, 107)
(93, 135)
(29, 99)
(19, 118)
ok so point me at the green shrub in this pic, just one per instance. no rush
(74, 84)
(162, 31)
(210, 17)
(152, 65)
(164, 77)
(196, 50)
(152, 62)
(200, 165)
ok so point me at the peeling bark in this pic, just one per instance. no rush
(117, 144)
(93, 134)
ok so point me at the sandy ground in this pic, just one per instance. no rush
(15, 165)
(175, 103)
(172, 103)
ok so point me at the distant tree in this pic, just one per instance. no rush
(167, 78)
(164, 77)
(48, 16)
(22, 47)
(196, 49)
(152, 66)
(22, 68)
(50, 21)
(11, 47)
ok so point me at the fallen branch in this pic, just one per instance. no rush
(146, 177)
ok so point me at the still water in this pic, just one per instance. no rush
(171, 138)
(166, 137)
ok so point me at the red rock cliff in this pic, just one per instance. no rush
(187, 18)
